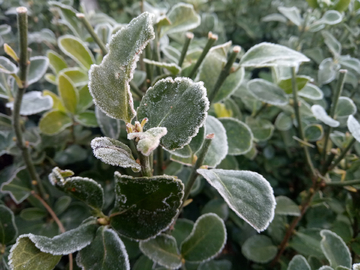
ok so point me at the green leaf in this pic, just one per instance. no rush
(327, 71)
(85, 190)
(285, 206)
(293, 14)
(33, 102)
(325, 267)
(283, 122)
(216, 265)
(173, 68)
(56, 61)
(57, 104)
(356, 266)
(67, 242)
(206, 240)
(68, 93)
(106, 252)
(307, 242)
(268, 54)
(262, 129)
(76, 50)
(345, 107)
(320, 114)
(182, 230)
(239, 136)
(85, 99)
(62, 204)
(219, 146)
(354, 127)
(182, 18)
(54, 122)
(311, 91)
(332, 17)
(18, 186)
(7, 67)
(267, 92)
(72, 154)
(247, 193)
(166, 104)
(77, 76)
(218, 207)
(162, 250)
(87, 119)
(145, 206)
(37, 68)
(33, 213)
(8, 229)
(313, 132)
(148, 140)
(25, 255)
(259, 248)
(110, 127)
(335, 249)
(286, 84)
(109, 81)
(350, 63)
(332, 43)
(298, 262)
(113, 152)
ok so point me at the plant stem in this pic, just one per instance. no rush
(211, 40)
(344, 183)
(335, 99)
(225, 72)
(23, 67)
(156, 54)
(328, 161)
(189, 36)
(298, 119)
(92, 33)
(160, 160)
(145, 165)
(343, 154)
(149, 68)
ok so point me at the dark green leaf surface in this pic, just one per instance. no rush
(259, 248)
(8, 230)
(18, 186)
(182, 230)
(298, 262)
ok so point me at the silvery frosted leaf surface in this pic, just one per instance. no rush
(331, 17)
(335, 249)
(333, 45)
(268, 54)
(114, 153)
(106, 252)
(78, 76)
(148, 140)
(298, 262)
(326, 267)
(293, 14)
(87, 119)
(345, 107)
(327, 71)
(8, 227)
(356, 266)
(262, 129)
(109, 81)
(145, 206)
(267, 92)
(350, 63)
(7, 67)
(219, 146)
(354, 127)
(216, 265)
(173, 68)
(259, 248)
(320, 113)
(313, 132)
(182, 17)
(110, 127)
(285, 206)
(311, 91)
(37, 68)
(182, 230)
(180, 105)
(18, 186)
(162, 250)
(67, 242)
(25, 255)
(33, 102)
(247, 193)
(283, 122)
(206, 240)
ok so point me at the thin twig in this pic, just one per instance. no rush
(189, 36)
(343, 154)
(344, 183)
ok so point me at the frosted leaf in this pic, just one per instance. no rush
(293, 14)
(345, 107)
(328, 69)
(182, 17)
(33, 103)
(8, 227)
(110, 127)
(332, 43)
(313, 132)
(356, 266)
(25, 255)
(267, 92)
(247, 193)
(76, 50)
(18, 186)
(298, 262)
(259, 248)
(335, 249)
(192, 147)
(219, 146)
(109, 81)
(87, 119)
(262, 129)
(106, 252)
(239, 136)
(78, 76)
(5, 29)
(206, 240)
(268, 54)
(37, 68)
(85, 99)
(354, 127)
(114, 153)
(331, 17)
(326, 267)
(56, 61)
(149, 140)
(173, 68)
(182, 230)
(286, 83)
(7, 67)
(180, 105)
(145, 206)
(283, 122)
(311, 91)
(58, 175)
(350, 63)
(285, 206)
(68, 93)
(67, 242)
(54, 122)
(162, 250)
(104, 30)
(320, 113)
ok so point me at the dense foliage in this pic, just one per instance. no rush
(217, 134)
